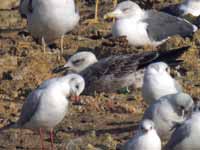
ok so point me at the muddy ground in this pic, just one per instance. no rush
(102, 122)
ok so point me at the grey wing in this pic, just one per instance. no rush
(162, 25)
(25, 8)
(114, 69)
(152, 110)
(119, 65)
(30, 107)
(148, 114)
(178, 136)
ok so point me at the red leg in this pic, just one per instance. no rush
(41, 139)
(51, 137)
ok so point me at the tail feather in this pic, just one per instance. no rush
(170, 57)
(11, 125)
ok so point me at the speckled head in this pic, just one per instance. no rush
(80, 61)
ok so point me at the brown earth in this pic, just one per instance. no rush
(102, 122)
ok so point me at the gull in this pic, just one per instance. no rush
(158, 82)
(145, 139)
(186, 7)
(48, 20)
(186, 136)
(46, 106)
(168, 111)
(147, 27)
(115, 72)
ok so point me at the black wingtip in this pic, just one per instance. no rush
(170, 57)
(59, 69)
(172, 54)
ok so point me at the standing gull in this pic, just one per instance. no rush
(168, 111)
(49, 19)
(186, 7)
(158, 82)
(147, 27)
(47, 105)
(145, 139)
(187, 135)
(118, 71)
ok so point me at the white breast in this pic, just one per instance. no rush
(155, 87)
(51, 19)
(51, 111)
(134, 31)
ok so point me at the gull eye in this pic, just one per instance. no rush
(125, 9)
(78, 62)
(182, 107)
(77, 86)
(167, 70)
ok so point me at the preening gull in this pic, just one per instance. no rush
(148, 27)
(158, 82)
(146, 138)
(46, 106)
(49, 19)
(186, 7)
(186, 136)
(118, 71)
(168, 111)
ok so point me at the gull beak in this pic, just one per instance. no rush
(113, 14)
(109, 15)
(75, 98)
(66, 66)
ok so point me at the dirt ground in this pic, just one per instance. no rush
(101, 122)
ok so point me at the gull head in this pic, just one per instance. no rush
(157, 68)
(182, 103)
(146, 126)
(125, 9)
(80, 61)
(76, 83)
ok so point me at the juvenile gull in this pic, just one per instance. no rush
(186, 136)
(47, 105)
(168, 111)
(145, 139)
(148, 27)
(118, 71)
(49, 19)
(186, 7)
(158, 82)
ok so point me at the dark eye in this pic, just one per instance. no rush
(182, 107)
(125, 9)
(78, 62)
(167, 70)
(77, 86)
